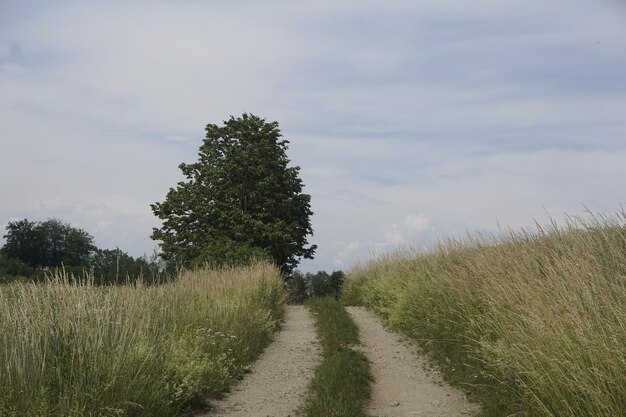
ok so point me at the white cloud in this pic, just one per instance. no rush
(417, 223)
(347, 251)
(393, 234)
(468, 112)
(406, 232)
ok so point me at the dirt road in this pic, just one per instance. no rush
(278, 382)
(280, 377)
(402, 388)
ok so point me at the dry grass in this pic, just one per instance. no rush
(534, 323)
(72, 349)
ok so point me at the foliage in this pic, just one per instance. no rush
(302, 286)
(50, 243)
(532, 323)
(341, 384)
(34, 249)
(113, 266)
(13, 269)
(69, 348)
(240, 201)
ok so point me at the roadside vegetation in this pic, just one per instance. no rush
(533, 323)
(70, 348)
(342, 381)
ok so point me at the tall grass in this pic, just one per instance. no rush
(70, 348)
(534, 323)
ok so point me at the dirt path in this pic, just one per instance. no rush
(280, 377)
(402, 388)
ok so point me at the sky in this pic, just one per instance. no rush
(410, 120)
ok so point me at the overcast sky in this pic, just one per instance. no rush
(411, 120)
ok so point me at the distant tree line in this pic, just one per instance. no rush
(33, 249)
(302, 286)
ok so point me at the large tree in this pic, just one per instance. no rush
(240, 200)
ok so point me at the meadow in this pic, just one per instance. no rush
(531, 322)
(70, 348)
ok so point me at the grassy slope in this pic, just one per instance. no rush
(533, 324)
(72, 349)
(342, 381)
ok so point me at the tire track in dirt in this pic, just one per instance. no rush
(278, 381)
(402, 387)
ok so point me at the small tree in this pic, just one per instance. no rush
(240, 200)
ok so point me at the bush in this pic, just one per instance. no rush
(12, 269)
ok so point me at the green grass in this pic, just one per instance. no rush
(533, 324)
(342, 381)
(75, 349)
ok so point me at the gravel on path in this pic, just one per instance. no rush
(402, 386)
(278, 381)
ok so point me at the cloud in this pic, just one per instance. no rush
(417, 223)
(428, 118)
(347, 251)
(399, 233)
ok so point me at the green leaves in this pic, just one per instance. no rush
(241, 200)
(48, 243)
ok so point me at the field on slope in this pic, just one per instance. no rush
(74, 349)
(533, 324)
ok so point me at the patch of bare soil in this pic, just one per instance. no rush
(402, 385)
(279, 379)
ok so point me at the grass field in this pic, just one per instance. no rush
(533, 323)
(74, 349)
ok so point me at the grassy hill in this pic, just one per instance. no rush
(532, 323)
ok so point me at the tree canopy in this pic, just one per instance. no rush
(48, 243)
(239, 200)
(32, 247)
